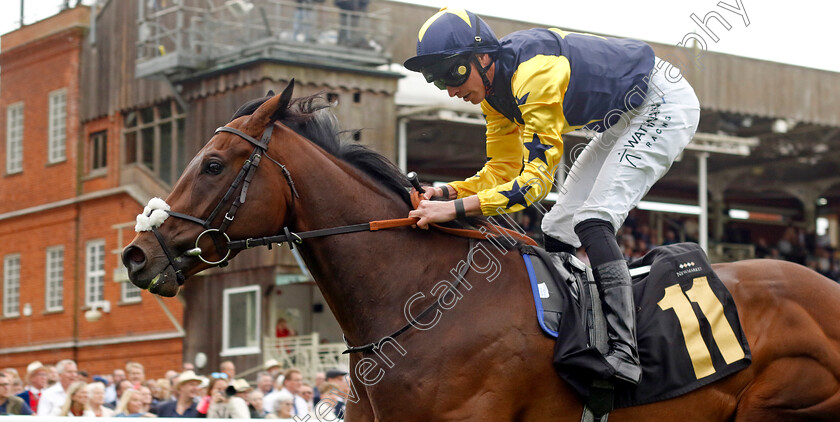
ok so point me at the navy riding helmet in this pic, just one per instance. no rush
(447, 43)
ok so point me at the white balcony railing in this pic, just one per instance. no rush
(305, 353)
(188, 35)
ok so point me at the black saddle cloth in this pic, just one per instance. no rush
(688, 330)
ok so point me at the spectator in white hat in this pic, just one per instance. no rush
(273, 367)
(36, 383)
(186, 389)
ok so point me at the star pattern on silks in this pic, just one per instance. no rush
(516, 195)
(523, 99)
(537, 149)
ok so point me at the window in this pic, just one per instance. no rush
(94, 272)
(241, 321)
(98, 150)
(154, 138)
(55, 278)
(11, 285)
(130, 293)
(57, 142)
(14, 138)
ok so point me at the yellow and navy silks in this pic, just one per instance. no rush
(546, 83)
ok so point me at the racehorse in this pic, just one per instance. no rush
(481, 356)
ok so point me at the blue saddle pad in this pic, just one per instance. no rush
(551, 288)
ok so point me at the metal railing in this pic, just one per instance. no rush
(305, 353)
(181, 35)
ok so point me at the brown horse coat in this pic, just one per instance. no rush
(485, 359)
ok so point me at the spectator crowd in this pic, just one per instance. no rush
(64, 390)
(795, 245)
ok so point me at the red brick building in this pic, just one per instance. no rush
(64, 216)
(94, 121)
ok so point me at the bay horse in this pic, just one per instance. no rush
(485, 359)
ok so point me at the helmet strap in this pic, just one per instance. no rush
(482, 70)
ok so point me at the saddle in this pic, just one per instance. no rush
(688, 330)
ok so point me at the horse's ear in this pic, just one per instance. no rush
(271, 110)
(285, 98)
(270, 93)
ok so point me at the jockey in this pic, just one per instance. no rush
(535, 85)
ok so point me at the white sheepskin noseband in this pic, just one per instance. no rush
(153, 215)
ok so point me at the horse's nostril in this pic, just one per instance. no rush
(133, 257)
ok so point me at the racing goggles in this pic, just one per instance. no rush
(451, 71)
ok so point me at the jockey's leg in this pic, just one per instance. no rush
(640, 149)
(557, 224)
(613, 279)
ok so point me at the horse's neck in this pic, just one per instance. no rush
(365, 277)
(334, 193)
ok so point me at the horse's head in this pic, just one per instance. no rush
(220, 196)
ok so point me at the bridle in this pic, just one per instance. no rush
(244, 177)
(246, 174)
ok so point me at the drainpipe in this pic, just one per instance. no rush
(78, 256)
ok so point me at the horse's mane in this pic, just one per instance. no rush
(311, 118)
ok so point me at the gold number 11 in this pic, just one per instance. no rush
(701, 294)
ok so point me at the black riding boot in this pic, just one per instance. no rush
(613, 279)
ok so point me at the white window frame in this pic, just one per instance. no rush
(54, 279)
(236, 351)
(14, 138)
(11, 285)
(57, 124)
(129, 293)
(94, 272)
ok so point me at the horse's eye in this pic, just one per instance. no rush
(213, 167)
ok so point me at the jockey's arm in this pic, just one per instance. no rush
(504, 156)
(504, 162)
(504, 184)
(539, 93)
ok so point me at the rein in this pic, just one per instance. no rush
(244, 177)
(291, 237)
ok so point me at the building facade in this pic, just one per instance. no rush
(64, 217)
(137, 107)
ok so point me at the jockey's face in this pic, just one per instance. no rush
(473, 89)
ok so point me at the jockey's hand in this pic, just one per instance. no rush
(433, 212)
(433, 192)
